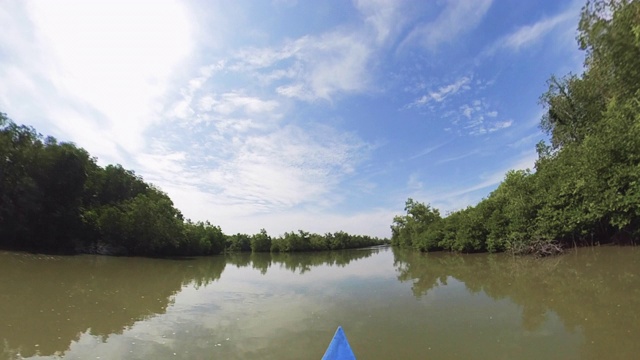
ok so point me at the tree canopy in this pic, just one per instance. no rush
(586, 185)
(55, 198)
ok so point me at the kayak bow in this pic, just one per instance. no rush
(339, 348)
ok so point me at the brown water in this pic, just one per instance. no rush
(392, 305)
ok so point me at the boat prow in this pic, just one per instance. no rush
(339, 348)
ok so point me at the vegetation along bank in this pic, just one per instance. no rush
(54, 198)
(584, 189)
(586, 185)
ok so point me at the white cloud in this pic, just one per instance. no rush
(286, 167)
(457, 157)
(166, 165)
(313, 67)
(443, 92)
(414, 182)
(477, 118)
(479, 127)
(228, 157)
(528, 35)
(247, 159)
(427, 151)
(498, 125)
(97, 59)
(183, 110)
(343, 67)
(527, 140)
(384, 16)
(294, 91)
(233, 102)
(229, 146)
(451, 199)
(234, 151)
(467, 111)
(462, 84)
(270, 178)
(456, 18)
(251, 58)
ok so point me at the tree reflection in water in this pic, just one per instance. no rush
(48, 302)
(592, 290)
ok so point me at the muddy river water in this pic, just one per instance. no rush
(392, 304)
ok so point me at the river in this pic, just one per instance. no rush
(392, 304)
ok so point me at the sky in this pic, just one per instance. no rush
(285, 114)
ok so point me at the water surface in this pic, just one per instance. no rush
(392, 304)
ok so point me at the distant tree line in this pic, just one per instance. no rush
(586, 185)
(55, 198)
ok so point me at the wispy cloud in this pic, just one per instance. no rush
(216, 145)
(98, 60)
(246, 151)
(480, 127)
(531, 33)
(477, 118)
(473, 117)
(414, 182)
(232, 102)
(480, 120)
(384, 16)
(442, 93)
(312, 67)
(245, 123)
(287, 167)
(456, 18)
(527, 140)
(427, 151)
(498, 125)
(451, 199)
(528, 35)
(249, 175)
(458, 157)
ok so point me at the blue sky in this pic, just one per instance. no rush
(284, 114)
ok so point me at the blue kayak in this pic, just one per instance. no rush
(339, 348)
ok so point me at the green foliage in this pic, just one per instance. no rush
(304, 241)
(586, 187)
(419, 228)
(202, 238)
(117, 184)
(609, 31)
(55, 198)
(238, 242)
(144, 225)
(42, 184)
(573, 106)
(261, 242)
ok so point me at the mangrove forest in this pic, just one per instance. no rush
(585, 187)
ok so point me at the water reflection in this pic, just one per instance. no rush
(300, 262)
(595, 292)
(393, 304)
(49, 302)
